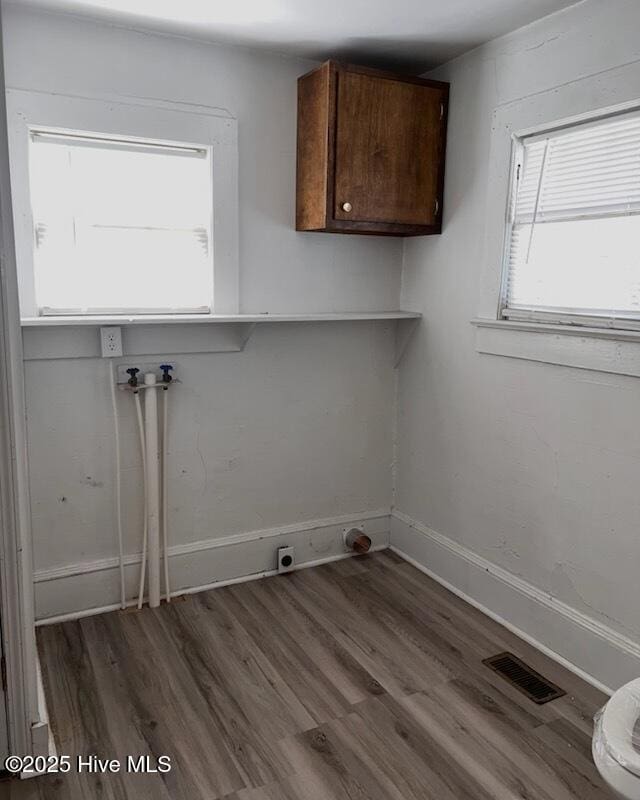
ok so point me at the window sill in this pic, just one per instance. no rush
(598, 349)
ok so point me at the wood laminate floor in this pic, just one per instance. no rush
(357, 680)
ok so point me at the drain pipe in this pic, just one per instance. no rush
(153, 487)
(116, 425)
(155, 510)
(166, 380)
(143, 564)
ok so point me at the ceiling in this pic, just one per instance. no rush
(413, 34)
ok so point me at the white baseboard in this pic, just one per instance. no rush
(596, 652)
(92, 587)
(42, 741)
(43, 744)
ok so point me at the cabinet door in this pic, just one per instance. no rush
(389, 137)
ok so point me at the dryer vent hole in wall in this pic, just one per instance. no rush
(523, 678)
(356, 539)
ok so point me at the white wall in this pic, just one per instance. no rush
(533, 467)
(296, 428)
(529, 471)
(281, 270)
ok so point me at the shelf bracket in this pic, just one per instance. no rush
(405, 328)
(245, 332)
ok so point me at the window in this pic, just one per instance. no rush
(573, 244)
(120, 225)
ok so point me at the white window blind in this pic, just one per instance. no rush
(574, 248)
(120, 226)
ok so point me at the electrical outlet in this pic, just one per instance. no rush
(111, 342)
(286, 560)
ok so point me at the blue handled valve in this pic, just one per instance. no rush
(166, 370)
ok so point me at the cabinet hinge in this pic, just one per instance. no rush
(518, 172)
(3, 673)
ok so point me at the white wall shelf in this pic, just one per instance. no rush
(77, 337)
(212, 319)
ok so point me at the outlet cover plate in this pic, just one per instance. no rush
(111, 341)
(286, 559)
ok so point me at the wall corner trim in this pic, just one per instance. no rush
(592, 650)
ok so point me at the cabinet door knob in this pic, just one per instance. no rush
(346, 207)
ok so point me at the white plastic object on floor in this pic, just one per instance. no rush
(153, 487)
(616, 742)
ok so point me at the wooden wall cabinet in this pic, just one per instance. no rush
(371, 148)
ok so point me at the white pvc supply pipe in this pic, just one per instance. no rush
(143, 564)
(165, 536)
(153, 488)
(116, 426)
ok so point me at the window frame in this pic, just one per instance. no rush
(145, 145)
(612, 321)
(125, 118)
(583, 347)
